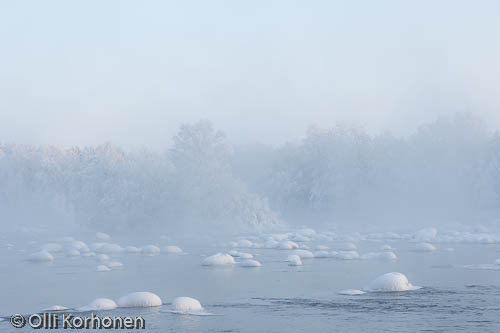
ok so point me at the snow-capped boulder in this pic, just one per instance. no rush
(115, 265)
(103, 268)
(41, 256)
(219, 259)
(150, 250)
(352, 292)
(321, 248)
(347, 246)
(139, 299)
(132, 249)
(99, 304)
(73, 253)
(250, 263)
(322, 254)
(294, 260)
(172, 249)
(424, 247)
(304, 254)
(346, 255)
(287, 245)
(391, 282)
(185, 304)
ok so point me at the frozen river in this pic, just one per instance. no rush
(461, 286)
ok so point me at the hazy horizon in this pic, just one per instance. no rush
(131, 74)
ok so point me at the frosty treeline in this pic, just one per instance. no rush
(449, 169)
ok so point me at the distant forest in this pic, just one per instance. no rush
(448, 169)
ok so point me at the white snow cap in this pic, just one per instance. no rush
(352, 292)
(288, 245)
(391, 282)
(73, 253)
(139, 299)
(303, 254)
(244, 243)
(99, 304)
(250, 263)
(132, 249)
(41, 256)
(294, 260)
(218, 259)
(115, 265)
(150, 250)
(424, 247)
(184, 304)
(103, 268)
(173, 249)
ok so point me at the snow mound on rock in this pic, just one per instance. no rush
(41, 256)
(150, 250)
(304, 254)
(294, 260)
(352, 292)
(424, 247)
(172, 249)
(393, 281)
(185, 304)
(250, 263)
(103, 268)
(139, 299)
(99, 304)
(219, 259)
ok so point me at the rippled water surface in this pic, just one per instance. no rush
(460, 293)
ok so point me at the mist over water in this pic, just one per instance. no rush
(444, 173)
(270, 166)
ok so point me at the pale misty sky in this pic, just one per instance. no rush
(130, 72)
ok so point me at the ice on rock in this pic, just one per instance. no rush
(99, 304)
(386, 255)
(150, 250)
(56, 308)
(73, 253)
(172, 249)
(425, 235)
(244, 243)
(109, 248)
(115, 265)
(219, 259)
(78, 245)
(139, 299)
(132, 249)
(294, 260)
(424, 247)
(52, 247)
(303, 254)
(288, 245)
(89, 254)
(352, 292)
(346, 255)
(304, 247)
(186, 304)
(41, 256)
(321, 248)
(391, 282)
(102, 236)
(103, 268)
(300, 238)
(250, 263)
(242, 255)
(307, 232)
(386, 247)
(279, 237)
